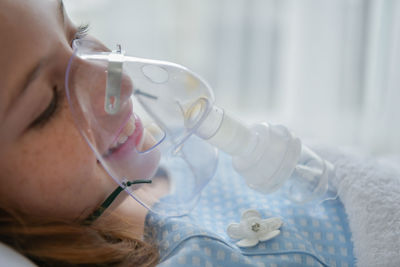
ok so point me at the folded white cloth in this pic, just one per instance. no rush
(370, 191)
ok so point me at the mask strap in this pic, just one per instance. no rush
(114, 77)
(110, 199)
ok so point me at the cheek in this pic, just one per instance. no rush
(61, 150)
(53, 172)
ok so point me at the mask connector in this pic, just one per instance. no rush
(268, 156)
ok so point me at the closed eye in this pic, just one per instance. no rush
(46, 115)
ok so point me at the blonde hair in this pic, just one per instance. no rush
(60, 243)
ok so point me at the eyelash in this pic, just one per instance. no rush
(45, 116)
(82, 31)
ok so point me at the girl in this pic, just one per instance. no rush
(51, 181)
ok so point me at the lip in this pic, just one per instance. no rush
(133, 141)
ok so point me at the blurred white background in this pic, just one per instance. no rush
(328, 69)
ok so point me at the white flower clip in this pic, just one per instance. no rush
(252, 229)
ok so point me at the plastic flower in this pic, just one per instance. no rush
(252, 229)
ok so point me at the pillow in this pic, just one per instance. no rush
(9, 257)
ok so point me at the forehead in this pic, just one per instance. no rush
(21, 20)
(27, 28)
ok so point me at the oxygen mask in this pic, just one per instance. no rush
(140, 116)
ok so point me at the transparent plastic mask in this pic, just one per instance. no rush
(144, 125)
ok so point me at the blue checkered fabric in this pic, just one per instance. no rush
(312, 235)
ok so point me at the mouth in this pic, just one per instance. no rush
(128, 138)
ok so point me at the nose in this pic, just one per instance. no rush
(86, 83)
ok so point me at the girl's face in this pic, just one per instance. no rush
(46, 168)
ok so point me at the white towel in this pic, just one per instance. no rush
(370, 191)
